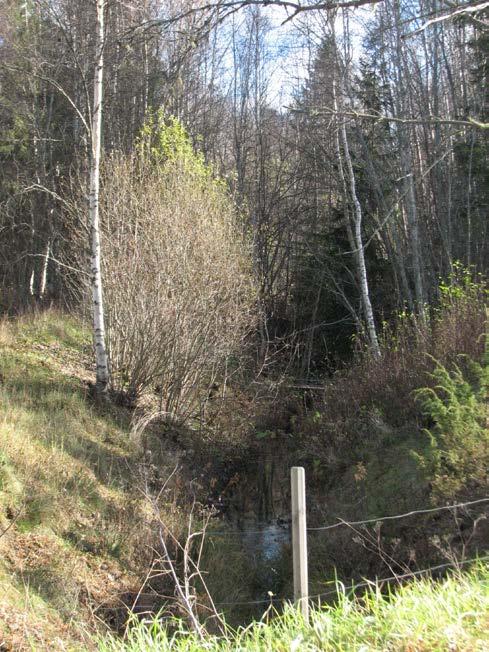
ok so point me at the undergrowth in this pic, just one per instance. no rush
(458, 450)
(405, 432)
(422, 615)
(431, 377)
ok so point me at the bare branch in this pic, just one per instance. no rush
(59, 88)
(378, 117)
(225, 8)
(469, 8)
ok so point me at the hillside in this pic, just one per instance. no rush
(78, 533)
(75, 529)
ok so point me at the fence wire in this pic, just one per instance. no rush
(274, 601)
(341, 589)
(397, 516)
(342, 522)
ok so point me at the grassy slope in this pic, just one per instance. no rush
(424, 615)
(74, 525)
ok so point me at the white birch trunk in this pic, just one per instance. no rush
(44, 271)
(359, 250)
(355, 235)
(101, 358)
(31, 282)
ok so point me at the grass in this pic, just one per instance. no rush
(76, 532)
(76, 529)
(422, 615)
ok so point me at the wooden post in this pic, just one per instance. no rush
(299, 539)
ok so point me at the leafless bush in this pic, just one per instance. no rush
(177, 280)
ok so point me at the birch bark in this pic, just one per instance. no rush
(359, 250)
(355, 234)
(44, 272)
(101, 357)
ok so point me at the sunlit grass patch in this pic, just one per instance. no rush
(421, 615)
(72, 524)
(28, 622)
(48, 327)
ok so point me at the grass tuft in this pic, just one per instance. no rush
(422, 615)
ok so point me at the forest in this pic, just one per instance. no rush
(238, 236)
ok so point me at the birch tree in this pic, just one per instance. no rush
(355, 235)
(101, 357)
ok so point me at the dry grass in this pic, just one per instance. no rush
(77, 529)
(6, 337)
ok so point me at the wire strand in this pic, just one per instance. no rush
(352, 587)
(397, 516)
(343, 523)
(404, 576)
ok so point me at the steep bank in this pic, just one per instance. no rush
(83, 495)
(76, 528)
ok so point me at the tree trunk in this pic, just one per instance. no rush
(359, 250)
(356, 235)
(44, 272)
(101, 358)
(407, 166)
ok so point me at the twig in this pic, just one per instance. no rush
(12, 522)
(469, 8)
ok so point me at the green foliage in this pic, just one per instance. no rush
(164, 139)
(15, 140)
(266, 434)
(458, 452)
(422, 615)
(462, 286)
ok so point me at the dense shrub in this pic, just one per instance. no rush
(376, 398)
(176, 270)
